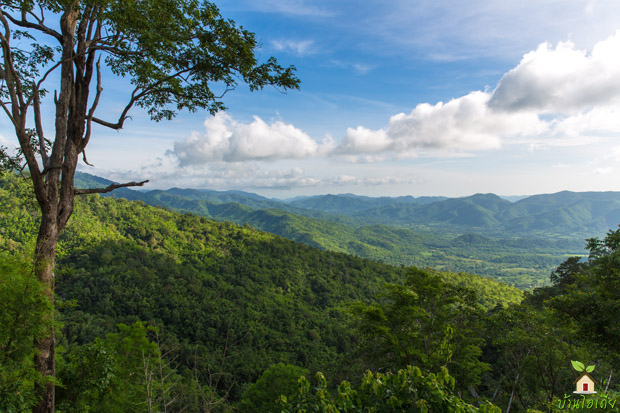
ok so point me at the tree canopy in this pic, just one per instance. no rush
(177, 55)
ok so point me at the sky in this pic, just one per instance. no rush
(402, 97)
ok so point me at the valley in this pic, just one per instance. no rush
(518, 243)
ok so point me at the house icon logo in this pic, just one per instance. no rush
(584, 383)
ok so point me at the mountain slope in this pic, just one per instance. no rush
(210, 286)
(523, 261)
(571, 214)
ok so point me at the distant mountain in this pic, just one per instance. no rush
(87, 181)
(452, 234)
(475, 211)
(582, 214)
(204, 202)
(349, 203)
(571, 214)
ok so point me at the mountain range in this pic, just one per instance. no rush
(517, 242)
(563, 213)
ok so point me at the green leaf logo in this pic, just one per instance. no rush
(579, 366)
(590, 368)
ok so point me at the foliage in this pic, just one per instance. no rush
(408, 390)
(278, 380)
(524, 261)
(588, 293)
(424, 322)
(176, 55)
(209, 285)
(530, 352)
(124, 372)
(22, 321)
(230, 303)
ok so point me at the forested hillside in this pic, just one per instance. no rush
(564, 213)
(523, 261)
(228, 301)
(166, 311)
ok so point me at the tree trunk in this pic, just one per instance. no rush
(44, 266)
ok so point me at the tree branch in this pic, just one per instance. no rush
(39, 128)
(39, 27)
(91, 112)
(84, 158)
(109, 188)
(135, 97)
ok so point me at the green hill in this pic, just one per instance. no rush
(523, 261)
(210, 285)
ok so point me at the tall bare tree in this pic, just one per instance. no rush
(172, 51)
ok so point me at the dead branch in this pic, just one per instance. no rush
(39, 27)
(39, 129)
(84, 158)
(91, 112)
(109, 188)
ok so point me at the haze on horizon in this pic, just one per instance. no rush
(433, 98)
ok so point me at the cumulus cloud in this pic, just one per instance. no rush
(228, 140)
(563, 79)
(554, 97)
(466, 123)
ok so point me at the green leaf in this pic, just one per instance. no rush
(577, 365)
(590, 368)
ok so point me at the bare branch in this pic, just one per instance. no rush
(8, 113)
(39, 128)
(91, 112)
(13, 81)
(109, 188)
(84, 158)
(18, 108)
(39, 27)
(135, 97)
(39, 20)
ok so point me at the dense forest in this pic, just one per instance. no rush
(166, 311)
(397, 235)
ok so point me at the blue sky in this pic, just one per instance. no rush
(401, 97)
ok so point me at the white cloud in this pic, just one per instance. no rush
(601, 121)
(562, 79)
(345, 180)
(465, 123)
(603, 171)
(11, 144)
(614, 154)
(299, 47)
(164, 173)
(362, 69)
(361, 140)
(228, 140)
(558, 96)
